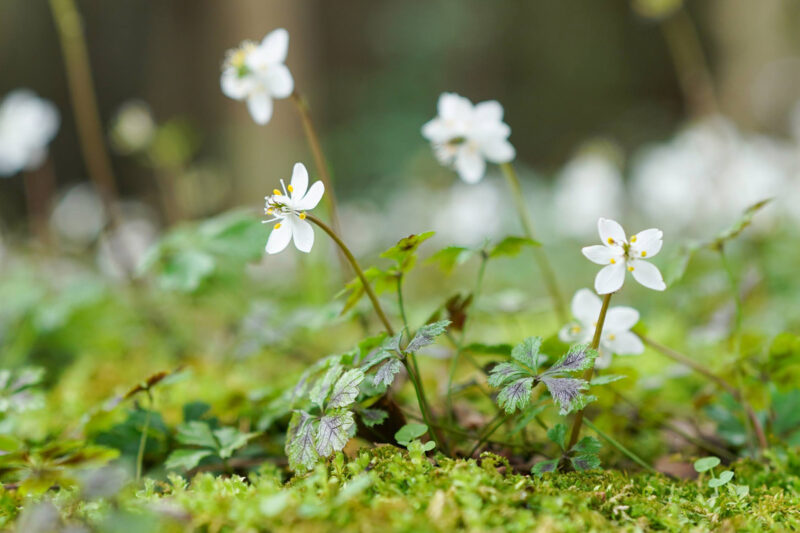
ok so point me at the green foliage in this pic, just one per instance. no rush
(409, 432)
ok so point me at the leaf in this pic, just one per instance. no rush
(489, 349)
(605, 380)
(300, 441)
(587, 445)
(558, 434)
(386, 373)
(196, 433)
(585, 462)
(323, 386)
(516, 395)
(185, 459)
(334, 432)
(185, 270)
(377, 358)
(450, 257)
(566, 392)
(723, 478)
(231, 439)
(740, 225)
(373, 417)
(345, 390)
(381, 282)
(511, 246)
(579, 357)
(706, 463)
(403, 253)
(504, 373)
(527, 352)
(456, 307)
(544, 466)
(409, 432)
(427, 335)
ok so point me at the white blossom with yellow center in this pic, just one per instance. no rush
(288, 209)
(256, 72)
(620, 255)
(616, 338)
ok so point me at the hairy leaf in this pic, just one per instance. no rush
(503, 373)
(566, 392)
(579, 357)
(544, 466)
(300, 441)
(527, 352)
(334, 431)
(587, 445)
(585, 462)
(386, 373)
(373, 417)
(516, 395)
(426, 335)
(319, 393)
(345, 390)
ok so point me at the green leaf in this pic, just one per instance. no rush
(300, 447)
(585, 462)
(9, 444)
(387, 371)
(185, 459)
(427, 335)
(489, 349)
(740, 225)
(409, 432)
(579, 357)
(558, 434)
(516, 395)
(706, 463)
(196, 433)
(566, 392)
(334, 430)
(511, 246)
(503, 373)
(403, 253)
(373, 417)
(543, 467)
(605, 380)
(345, 390)
(527, 352)
(381, 282)
(231, 439)
(587, 445)
(723, 478)
(319, 393)
(450, 257)
(185, 270)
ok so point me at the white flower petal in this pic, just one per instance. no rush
(611, 233)
(498, 150)
(260, 106)
(575, 333)
(312, 197)
(602, 255)
(275, 46)
(648, 241)
(586, 306)
(436, 131)
(625, 343)
(299, 182)
(280, 81)
(303, 234)
(279, 238)
(603, 357)
(489, 111)
(470, 165)
(454, 107)
(647, 274)
(620, 319)
(232, 85)
(610, 279)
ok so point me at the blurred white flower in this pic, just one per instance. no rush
(588, 187)
(120, 252)
(79, 216)
(619, 255)
(133, 127)
(288, 209)
(617, 337)
(27, 125)
(256, 73)
(464, 136)
(457, 215)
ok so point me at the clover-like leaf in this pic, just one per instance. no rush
(345, 390)
(387, 371)
(723, 478)
(527, 352)
(579, 357)
(427, 335)
(544, 466)
(300, 447)
(333, 432)
(706, 463)
(566, 392)
(516, 395)
(409, 432)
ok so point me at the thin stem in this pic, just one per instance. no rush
(702, 370)
(400, 303)
(587, 374)
(423, 404)
(498, 421)
(541, 258)
(737, 297)
(39, 185)
(143, 439)
(360, 273)
(616, 444)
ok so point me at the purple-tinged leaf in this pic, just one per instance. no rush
(516, 395)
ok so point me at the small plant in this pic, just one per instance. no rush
(581, 456)
(707, 464)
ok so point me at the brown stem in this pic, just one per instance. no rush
(587, 374)
(730, 389)
(39, 185)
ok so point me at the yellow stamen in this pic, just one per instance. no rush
(276, 192)
(630, 269)
(290, 188)
(644, 254)
(633, 239)
(613, 261)
(278, 225)
(302, 216)
(610, 240)
(611, 337)
(269, 211)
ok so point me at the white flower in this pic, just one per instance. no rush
(256, 73)
(465, 136)
(616, 338)
(288, 209)
(27, 125)
(620, 255)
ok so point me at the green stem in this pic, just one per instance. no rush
(541, 258)
(400, 303)
(587, 375)
(143, 438)
(489, 430)
(616, 444)
(423, 404)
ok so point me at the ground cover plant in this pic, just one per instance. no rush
(260, 370)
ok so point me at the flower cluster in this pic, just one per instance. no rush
(27, 125)
(288, 209)
(464, 136)
(256, 73)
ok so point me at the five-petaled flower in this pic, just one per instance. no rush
(256, 72)
(464, 136)
(619, 255)
(616, 338)
(288, 209)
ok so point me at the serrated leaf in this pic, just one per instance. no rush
(427, 335)
(345, 390)
(231, 439)
(373, 417)
(516, 395)
(527, 352)
(706, 463)
(504, 373)
(300, 447)
(605, 380)
(558, 434)
(196, 433)
(334, 430)
(450, 257)
(587, 445)
(409, 432)
(585, 462)
(543, 467)
(185, 459)
(511, 246)
(566, 392)
(386, 373)
(403, 253)
(321, 389)
(579, 357)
